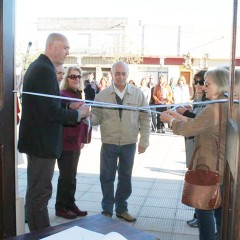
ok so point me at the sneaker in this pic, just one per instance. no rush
(126, 216)
(193, 223)
(158, 131)
(107, 214)
(163, 130)
(77, 211)
(64, 213)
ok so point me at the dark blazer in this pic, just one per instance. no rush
(41, 126)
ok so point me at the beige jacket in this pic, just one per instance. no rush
(205, 128)
(125, 130)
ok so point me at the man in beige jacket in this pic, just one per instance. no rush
(120, 129)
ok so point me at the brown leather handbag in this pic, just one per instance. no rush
(201, 187)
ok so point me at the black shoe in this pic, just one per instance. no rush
(193, 223)
(77, 211)
(65, 213)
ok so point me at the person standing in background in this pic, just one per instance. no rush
(90, 87)
(181, 92)
(145, 89)
(132, 82)
(60, 73)
(103, 83)
(151, 85)
(198, 95)
(162, 95)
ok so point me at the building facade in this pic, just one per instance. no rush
(149, 49)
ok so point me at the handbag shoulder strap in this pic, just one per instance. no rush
(219, 137)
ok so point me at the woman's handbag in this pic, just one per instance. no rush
(201, 187)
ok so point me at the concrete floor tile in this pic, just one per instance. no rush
(90, 206)
(79, 194)
(181, 227)
(22, 182)
(87, 180)
(160, 235)
(183, 237)
(168, 185)
(95, 188)
(154, 224)
(140, 192)
(91, 196)
(161, 202)
(156, 212)
(159, 193)
(184, 215)
(138, 184)
(83, 186)
(137, 200)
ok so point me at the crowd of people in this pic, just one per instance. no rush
(51, 129)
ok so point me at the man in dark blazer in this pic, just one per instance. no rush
(40, 132)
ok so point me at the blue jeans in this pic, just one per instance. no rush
(209, 222)
(206, 223)
(115, 158)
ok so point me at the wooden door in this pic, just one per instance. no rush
(7, 138)
(187, 76)
(231, 201)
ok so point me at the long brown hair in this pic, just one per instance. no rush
(65, 85)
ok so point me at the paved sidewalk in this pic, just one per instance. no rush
(157, 186)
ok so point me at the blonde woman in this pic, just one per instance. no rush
(181, 91)
(73, 136)
(145, 89)
(206, 129)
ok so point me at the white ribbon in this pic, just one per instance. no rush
(112, 105)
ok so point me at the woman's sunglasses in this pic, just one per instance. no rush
(74, 77)
(200, 82)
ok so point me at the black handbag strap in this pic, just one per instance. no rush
(218, 145)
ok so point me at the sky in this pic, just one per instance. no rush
(164, 12)
(168, 12)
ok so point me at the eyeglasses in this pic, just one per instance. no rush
(201, 82)
(74, 77)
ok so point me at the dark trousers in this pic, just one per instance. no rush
(116, 158)
(154, 124)
(160, 124)
(39, 191)
(66, 187)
